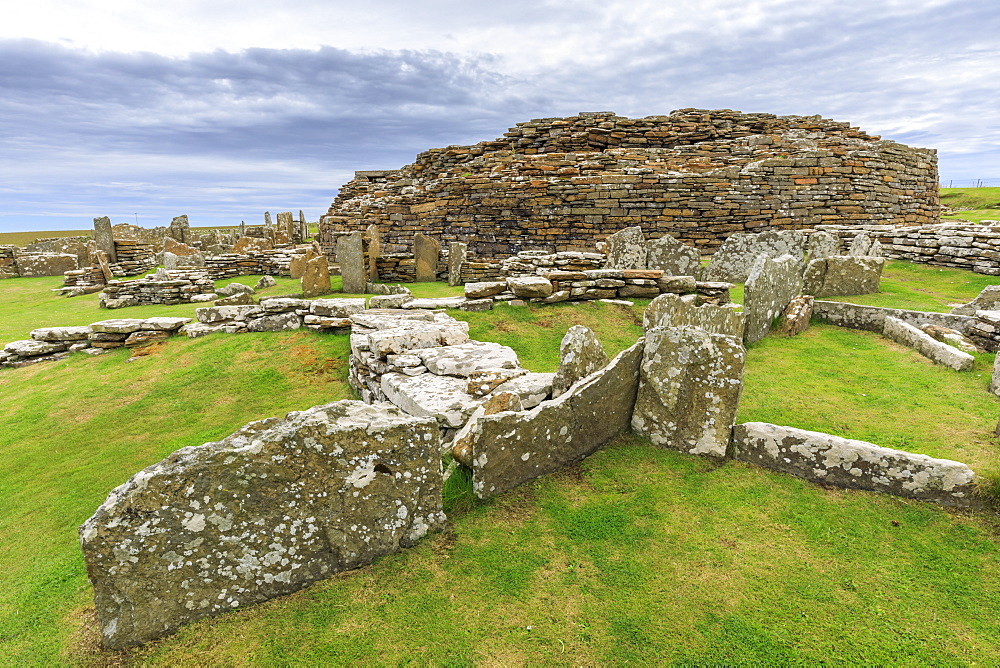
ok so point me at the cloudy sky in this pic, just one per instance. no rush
(143, 110)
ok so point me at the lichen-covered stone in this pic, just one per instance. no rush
(32, 347)
(426, 255)
(461, 446)
(533, 388)
(390, 301)
(456, 258)
(530, 287)
(434, 303)
(934, 350)
(670, 310)
(510, 448)
(429, 395)
(279, 322)
(673, 257)
(316, 277)
(467, 358)
(234, 289)
(843, 275)
(689, 389)
(239, 299)
(860, 245)
(118, 325)
(215, 314)
(795, 319)
(61, 333)
(287, 304)
(265, 282)
(484, 381)
(351, 258)
(855, 464)
(580, 354)
(417, 335)
(337, 308)
(268, 510)
(626, 249)
(770, 287)
(822, 245)
(484, 289)
(734, 260)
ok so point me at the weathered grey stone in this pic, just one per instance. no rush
(626, 249)
(265, 282)
(178, 248)
(198, 329)
(461, 445)
(530, 287)
(442, 397)
(386, 289)
(118, 325)
(61, 333)
(771, 285)
(689, 389)
(239, 299)
(533, 388)
(670, 310)
(234, 289)
(32, 347)
(467, 358)
(104, 236)
(417, 335)
(936, 351)
(270, 509)
(337, 308)
(248, 245)
(872, 318)
(206, 297)
(180, 228)
(860, 245)
(164, 323)
(434, 303)
(351, 258)
(822, 245)
(843, 275)
(286, 304)
(484, 289)
(679, 285)
(390, 301)
(278, 322)
(875, 250)
(734, 259)
(950, 336)
(674, 258)
(142, 338)
(215, 314)
(855, 464)
(995, 379)
(510, 448)
(374, 250)
(580, 354)
(795, 319)
(485, 381)
(287, 225)
(987, 300)
(45, 264)
(426, 254)
(456, 258)
(316, 278)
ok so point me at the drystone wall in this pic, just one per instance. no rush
(163, 287)
(562, 184)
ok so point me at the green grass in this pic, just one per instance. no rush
(985, 203)
(922, 287)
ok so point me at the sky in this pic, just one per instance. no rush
(220, 110)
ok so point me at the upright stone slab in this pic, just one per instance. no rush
(374, 251)
(860, 245)
(626, 249)
(510, 448)
(303, 227)
(734, 260)
(580, 354)
(297, 265)
(670, 310)
(287, 225)
(105, 238)
(350, 256)
(843, 275)
(689, 389)
(456, 259)
(275, 506)
(426, 253)
(843, 462)
(795, 319)
(822, 245)
(673, 257)
(772, 284)
(316, 278)
(180, 229)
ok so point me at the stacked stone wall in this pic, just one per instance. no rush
(564, 184)
(274, 262)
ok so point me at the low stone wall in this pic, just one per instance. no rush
(277, 314)
(273, 262)
(854, 464)
(366, 481)
(872, 318)
(133, 257)
(155, 289)
(941, 353)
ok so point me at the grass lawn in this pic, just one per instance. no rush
(922, 287)
(638, 555)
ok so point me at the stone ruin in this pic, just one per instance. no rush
(563, 184)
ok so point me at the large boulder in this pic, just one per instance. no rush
(670, 310)
(530, 287)
(580, 354)
(277, 505)
(234, 289)
(689, 389)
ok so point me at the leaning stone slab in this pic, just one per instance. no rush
(513, 447)
(417, 335)
(626, 249)
(61, 333)
(734, 259)
(843, 275)
(428, 395)
(277, 505)
(934, 350)
(987, 300)
(795, 319)
(580, 354)
(860, 245)
(316, 277)
(467, 358)
(689, 389)
(457, 252)
(854, 464)
(770, 287)
(670, 310)
(673, 257)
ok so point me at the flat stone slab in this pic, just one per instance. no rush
(417, 335)
(428, 395)
(61, 333)
(215, 314)
(467, 358)
(533, 388)
(435, 302)
(164, 323)
(268, 510)
(285, 304)
(118, 325)
(32, 347)
(843, 275)
(855, 464)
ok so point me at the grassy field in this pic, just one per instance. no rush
(639, 555)
(984, 202)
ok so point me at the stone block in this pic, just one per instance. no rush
(626, 249)
(456, 258)
(530, 287)
(580, 354)
(338, 307)
(796, 317)
(270, 509)
(484, 289)
(843, 275)
(426, 255)
(689, 389)
(428, 395)
(670, 310)
(936, 351)
(275, 323)
(350, 257)
(467, 358)
(842, 462)
(104, 237)
(417, 335)
(673, 258)
(61, 334)
(316, 278)
(771, 285)
(234, 289)
(734, 260)
(33, 347)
